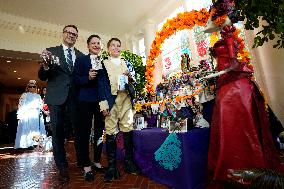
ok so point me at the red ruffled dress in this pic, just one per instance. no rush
(240, 135)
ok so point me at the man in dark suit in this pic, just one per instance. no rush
(61, 97)
(86, 70)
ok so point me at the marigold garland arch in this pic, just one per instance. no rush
(185, 20)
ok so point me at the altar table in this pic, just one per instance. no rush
(191, 173)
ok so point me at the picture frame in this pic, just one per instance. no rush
(139, 122)
(178, 127)
(122, 81)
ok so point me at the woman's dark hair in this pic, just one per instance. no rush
(91, 37)
(41, 92)
(113, 39)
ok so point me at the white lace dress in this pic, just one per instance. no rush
(30, 122)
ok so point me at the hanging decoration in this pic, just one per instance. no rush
(185, 20)
(201, 41)
(201, 48)
(168, 63)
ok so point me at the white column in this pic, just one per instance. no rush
(150, 30)
(135, 44)
(149, 35)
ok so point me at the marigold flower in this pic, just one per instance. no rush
(185, 20)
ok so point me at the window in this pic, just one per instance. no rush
(142, 50)
(172, 50)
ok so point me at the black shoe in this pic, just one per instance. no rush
(31, 148)
(111, 174)
(89, 176)
(63, 175)
(130, 167)
(112, 171)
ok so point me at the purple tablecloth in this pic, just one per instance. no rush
(190, 174)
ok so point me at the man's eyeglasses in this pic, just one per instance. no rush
(31, 86)
(71, 33)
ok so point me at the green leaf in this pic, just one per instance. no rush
(136, 61)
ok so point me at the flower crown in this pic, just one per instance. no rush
(221, 9)
(32, 82)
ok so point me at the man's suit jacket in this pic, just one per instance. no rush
(59, 78)
(88, 89)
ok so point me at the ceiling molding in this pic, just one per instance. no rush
(39, 28)
(26, 25)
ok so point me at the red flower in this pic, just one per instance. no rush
(45, 107)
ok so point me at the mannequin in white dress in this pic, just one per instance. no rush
(30, 120)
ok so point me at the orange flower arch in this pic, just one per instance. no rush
(185, 20)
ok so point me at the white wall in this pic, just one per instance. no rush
(271, 63)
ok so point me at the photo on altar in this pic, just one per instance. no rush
(163, 122)
(178, 127)
(139, 123)
(155, 108)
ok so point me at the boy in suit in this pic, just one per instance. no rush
(117, 108)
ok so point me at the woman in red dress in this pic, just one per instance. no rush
(240, 136)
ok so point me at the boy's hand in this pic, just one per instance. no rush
(106, 113)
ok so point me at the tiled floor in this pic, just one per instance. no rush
(33, 169)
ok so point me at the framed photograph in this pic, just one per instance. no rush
(166, 124)
(155, 108)
(178, 127)
(96, 63)
(122, 80)
(139, 123)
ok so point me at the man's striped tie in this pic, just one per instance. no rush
(69, 60)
